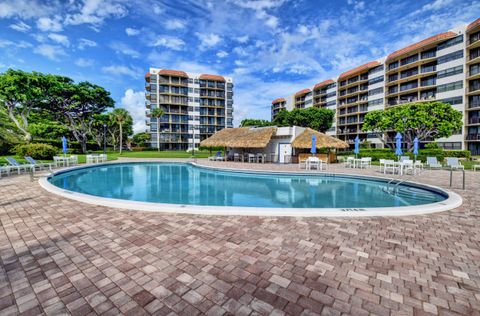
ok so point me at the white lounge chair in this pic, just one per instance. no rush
(5, 170)
(39, 165)
(453, 163)
(475, 167)
(16, 165)
(432, 162)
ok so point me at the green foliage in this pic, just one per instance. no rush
(8, 133)
(75, 105)
(43, 125)
(458, 153)
(319, 119)
(141, 139)
(423, 120)
(36, 151)
(432, 145)
(73, 146)
(120, 125)
(21, 92)
(255, 122)
(157, 113)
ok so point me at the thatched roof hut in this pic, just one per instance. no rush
(304, 140)
(240, 137)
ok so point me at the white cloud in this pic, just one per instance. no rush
(222, 54)
(20, 26)
(174, 24)
(19, 44)
(84, 62)
(157, 9)
(134, 102)
(96, 11)
(83, 42)
(170, 42)
(50, 24)
(242, 39)
(118, 70)
(131, 31)
(122, 48)
(52, 52)
(208, 40)
(60, 39)
(24, 9)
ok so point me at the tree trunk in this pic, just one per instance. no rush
(26, 134)
(158, 134)
(121, 138)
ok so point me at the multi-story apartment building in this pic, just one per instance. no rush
(472, 88)
(444, 67)
(195, 105)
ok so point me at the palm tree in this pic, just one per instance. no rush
(120, 116)
(158, 113)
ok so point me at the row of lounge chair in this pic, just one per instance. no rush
(15, 166)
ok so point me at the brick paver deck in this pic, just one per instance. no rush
(61, 256)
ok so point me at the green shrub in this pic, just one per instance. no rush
(139, 148)
(36, 151)
(73, 146)
(458, 153)
(432, 145)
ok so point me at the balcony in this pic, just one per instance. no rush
(473, 137)
(474, 121)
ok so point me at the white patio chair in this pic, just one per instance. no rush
(365, 162)
(381, 164)
(408, 166)
(90, 159)
(475, 167)
(236, 157)
(313, 163)
(350, 162)
(251, 158)
(390, 165)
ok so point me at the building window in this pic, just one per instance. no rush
(450, 86)
(450, 57)
(375, 102)
(375, 80)
(450, 42)
(453, 101)
(375, 91)
(450, 72)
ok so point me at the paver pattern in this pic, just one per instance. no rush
(61, 256)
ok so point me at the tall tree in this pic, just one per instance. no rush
(425, 120)
(319, 119)
(255, 122)
(8, 133)
(120, 117)
(141, 139)
(158, 113)
(97, 129)
(75, 105)
(20, 92)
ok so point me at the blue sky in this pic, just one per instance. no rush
(271, 48)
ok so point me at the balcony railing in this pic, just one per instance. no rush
(475, 120)
(473, 137)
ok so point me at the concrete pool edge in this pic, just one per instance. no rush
(453, 200)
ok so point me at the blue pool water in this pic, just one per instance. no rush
(177, 183)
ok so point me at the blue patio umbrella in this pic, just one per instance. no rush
(64, 145)
(415, 147)
(398, 139)
(313, 150)
(356, 150)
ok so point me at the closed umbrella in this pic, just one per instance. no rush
(415, 147)
(356, 150)
(64, 145)
(398, 150)
(313, 150)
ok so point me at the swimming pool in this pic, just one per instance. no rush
(189, 187)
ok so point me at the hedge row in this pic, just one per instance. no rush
(386, 153)
(73, 146)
